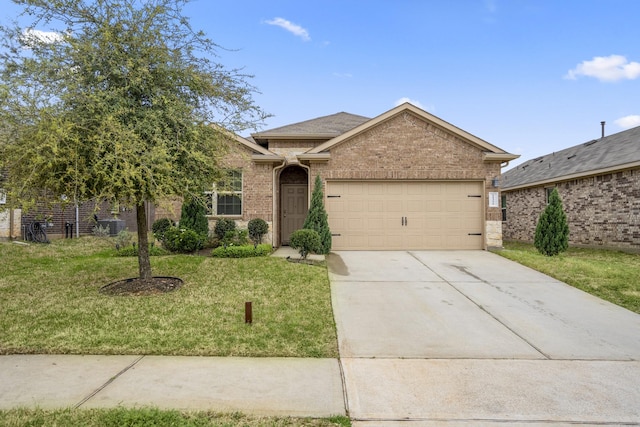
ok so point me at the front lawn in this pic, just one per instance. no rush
(51, 304)
(611, 275)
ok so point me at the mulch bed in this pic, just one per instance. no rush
(137, 286)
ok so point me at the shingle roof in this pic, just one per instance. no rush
(321, 127)
(617, 150)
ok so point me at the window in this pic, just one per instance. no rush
(547, 193)
(504, 206)
(226, 197)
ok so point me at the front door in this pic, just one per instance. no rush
(294, 207)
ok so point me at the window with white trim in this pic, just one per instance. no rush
(226, 197)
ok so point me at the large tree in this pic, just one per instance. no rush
(116, 100)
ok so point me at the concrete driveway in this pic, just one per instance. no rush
(469, 338)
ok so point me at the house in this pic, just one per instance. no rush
(598, 182)
(405, 179)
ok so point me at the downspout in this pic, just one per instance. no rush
(274, 209)
(11, 220)
(77, 220)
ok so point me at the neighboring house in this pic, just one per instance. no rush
(598, 182)
(403, 180)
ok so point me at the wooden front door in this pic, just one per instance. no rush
(293, 209)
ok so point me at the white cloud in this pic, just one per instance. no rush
(411, 101)
(295, 29)
(606, 68)
(627, 122)
(32, 37)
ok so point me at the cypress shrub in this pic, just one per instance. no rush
(317, 218)
(552, 231)
(193, 217)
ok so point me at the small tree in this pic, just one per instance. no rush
(317, 218)
(257, 227)
(552, 231)
(194, 217)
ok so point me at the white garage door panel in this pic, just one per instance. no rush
(439, 215)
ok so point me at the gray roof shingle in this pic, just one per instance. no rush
(619, 149)
(326, 126)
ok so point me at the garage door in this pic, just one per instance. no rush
(384, 215)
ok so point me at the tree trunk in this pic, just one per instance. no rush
(144, 263)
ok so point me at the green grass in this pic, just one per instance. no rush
(611, 275)
(121, 417)
(51, 304)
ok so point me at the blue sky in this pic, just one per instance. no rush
(530, 76)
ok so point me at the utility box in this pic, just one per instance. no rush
(114, 225)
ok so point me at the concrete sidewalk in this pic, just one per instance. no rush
(261, 386)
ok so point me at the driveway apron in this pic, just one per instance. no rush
(470, 338)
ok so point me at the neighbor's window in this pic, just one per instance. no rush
(547, 193)
(503, 200)
(226, 197)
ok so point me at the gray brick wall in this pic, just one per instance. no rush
(602, 210)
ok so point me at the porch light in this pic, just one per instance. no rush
(495, 182)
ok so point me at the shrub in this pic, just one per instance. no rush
(193, 217)
(224, 225)
(133, 251)
(305, 241)
(182, 240)
(244, 251)
(552, 231)
(123, 239)
(257, 227)
(100, 231)
(160, 227)
(317, 218)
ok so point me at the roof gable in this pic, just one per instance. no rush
(319, 128)
(407, 107)
(617, 151)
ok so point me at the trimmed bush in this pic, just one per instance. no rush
(133, 251)
(193, 217)
(257, 227)
(160, 227)
(317, 218)
(245, 251)
(552, 231)
(223, 226)
(182, 240)
(123, 239)
(305, 241)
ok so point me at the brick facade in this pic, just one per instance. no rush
(601, 210)
(406, 147)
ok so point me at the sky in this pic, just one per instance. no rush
(529, 76)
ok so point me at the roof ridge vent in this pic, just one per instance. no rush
(593, 141)
(537, 158)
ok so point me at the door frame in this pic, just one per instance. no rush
(277, 198)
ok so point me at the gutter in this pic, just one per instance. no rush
(578, 175)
